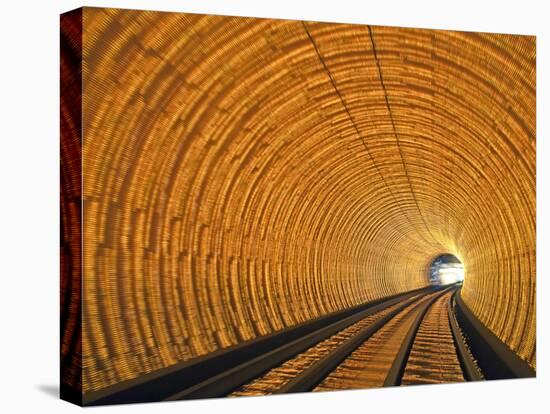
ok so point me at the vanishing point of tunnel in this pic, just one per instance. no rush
(242, 176)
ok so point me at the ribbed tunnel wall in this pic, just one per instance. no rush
(244, 175)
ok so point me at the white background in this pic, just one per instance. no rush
(29, 223)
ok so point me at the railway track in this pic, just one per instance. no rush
(401, 345)
(433, 358)
(408, 339)
(278, 379)
(369, 365)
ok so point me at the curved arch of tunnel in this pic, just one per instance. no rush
(293, 172)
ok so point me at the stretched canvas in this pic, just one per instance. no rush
(259, 206)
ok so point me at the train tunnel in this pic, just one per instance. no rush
(241, 176)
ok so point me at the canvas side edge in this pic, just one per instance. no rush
(71, 206)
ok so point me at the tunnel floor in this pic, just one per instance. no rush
(409, 339)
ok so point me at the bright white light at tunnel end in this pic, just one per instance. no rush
(451, 273)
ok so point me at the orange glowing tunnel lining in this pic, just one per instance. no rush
(243, 175)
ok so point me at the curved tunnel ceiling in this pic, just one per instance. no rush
(244, 175)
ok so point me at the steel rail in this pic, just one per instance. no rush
(398, 367)
(469, 368)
